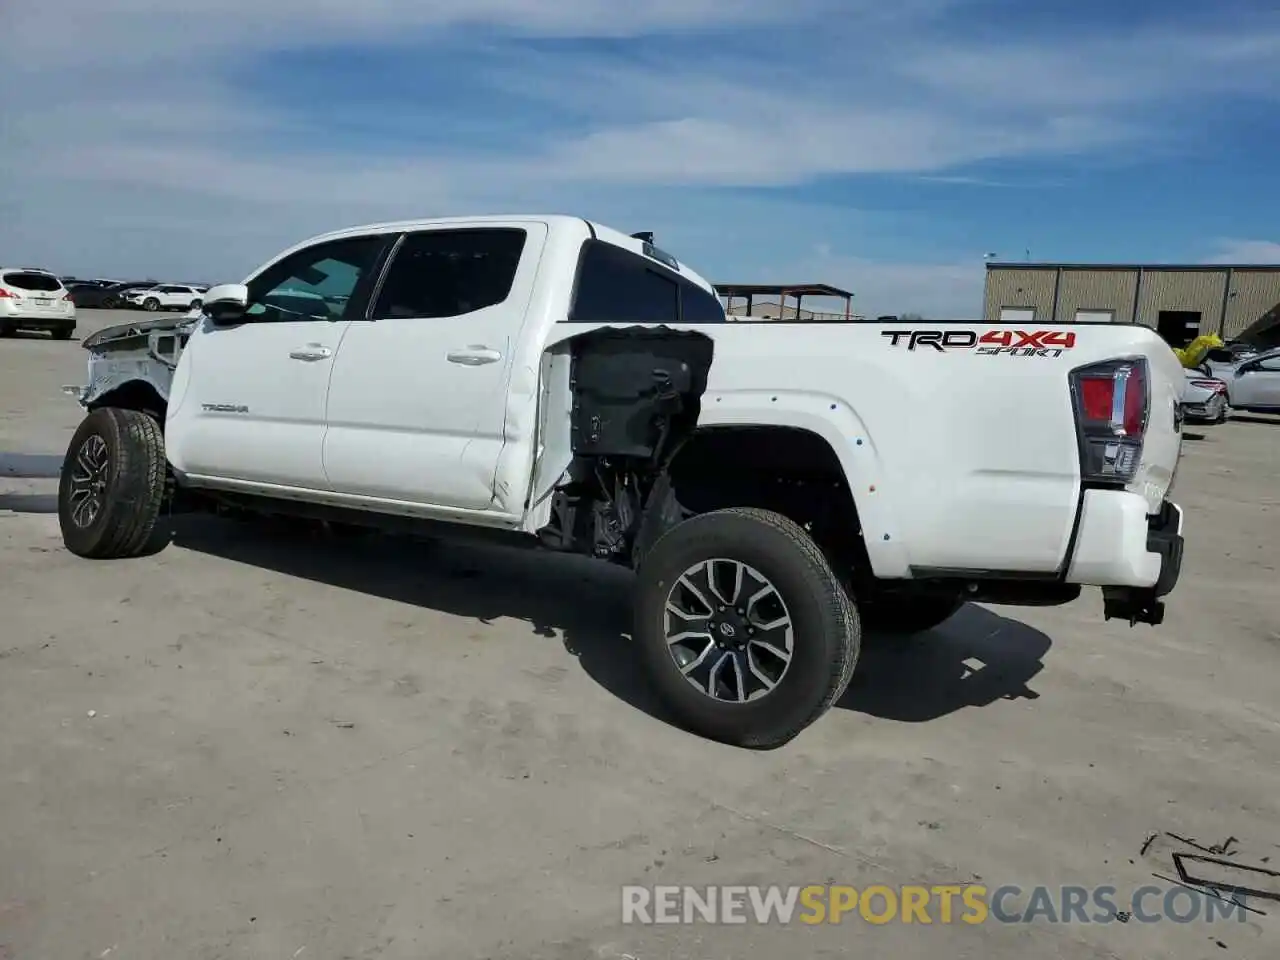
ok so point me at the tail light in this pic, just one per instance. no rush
(7, 295)
(1111, 405)
(1215, 386)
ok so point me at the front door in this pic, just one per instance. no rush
(248, 399)
(418, 402)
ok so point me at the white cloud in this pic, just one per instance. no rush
(1115, 70)
(1245, 251)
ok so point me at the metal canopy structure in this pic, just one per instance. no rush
(750, 291)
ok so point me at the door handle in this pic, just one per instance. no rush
(474, 356)
(312, 351)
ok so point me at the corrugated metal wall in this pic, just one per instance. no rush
(1020, 288)
(1194, 290)
(1096, 290)
(1245, 293)
(1254, 292)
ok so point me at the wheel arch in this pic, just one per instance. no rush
(137, 394)
(823, 431)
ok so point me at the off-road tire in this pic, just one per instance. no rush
(906, 615)
(151, 304)
(62, 333)
(827, 632)
(134, 485)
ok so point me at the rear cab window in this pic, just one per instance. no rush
(29, 280)
(617, 286)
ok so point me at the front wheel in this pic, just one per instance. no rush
(151, 304)
(744, 630)
(110, 303)
(112, 484)
(196, 304)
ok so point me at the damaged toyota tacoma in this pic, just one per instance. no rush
(777, 487)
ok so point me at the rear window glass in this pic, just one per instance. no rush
(31, 281)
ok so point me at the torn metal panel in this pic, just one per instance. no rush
(145, 352)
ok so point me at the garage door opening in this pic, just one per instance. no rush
(1178, 327)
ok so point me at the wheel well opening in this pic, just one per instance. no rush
(134, 395)
(789, 470)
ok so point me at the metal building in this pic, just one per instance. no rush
(1179, 301)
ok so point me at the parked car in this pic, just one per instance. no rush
(35, 300)
(1252, 378)
(553, 383)
(1204, 398)
(165, 296)
(98, 295)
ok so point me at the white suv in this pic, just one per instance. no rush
(166, 296)
(35, 300)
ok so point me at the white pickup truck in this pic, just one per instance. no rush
(776, 486)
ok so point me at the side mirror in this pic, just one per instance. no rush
(226, 303)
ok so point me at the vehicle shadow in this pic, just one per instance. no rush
(974, 659)
(1255, 418)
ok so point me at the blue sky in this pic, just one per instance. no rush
(881, 146)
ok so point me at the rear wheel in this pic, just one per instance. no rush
(112, 484)
(110, 303)
(63, 333)
(196, 304)
(745, 631)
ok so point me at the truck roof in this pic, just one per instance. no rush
(556, 222)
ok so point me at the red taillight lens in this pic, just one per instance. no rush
(1111, 406)
(6, 295)
(1097, 395)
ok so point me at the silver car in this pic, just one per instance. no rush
(1204, 398)
(1252, 378)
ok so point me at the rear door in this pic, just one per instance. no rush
(248, 399)
(417, 403)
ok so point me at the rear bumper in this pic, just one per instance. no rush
(1134, 557)
(1210, 409)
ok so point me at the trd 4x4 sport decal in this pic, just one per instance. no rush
(1013, 343)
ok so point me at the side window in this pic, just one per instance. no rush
(313, 284)
(698, 306)
(1270, 364)
(450, 273)
(617, 286)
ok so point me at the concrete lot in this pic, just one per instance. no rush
(254, 745)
